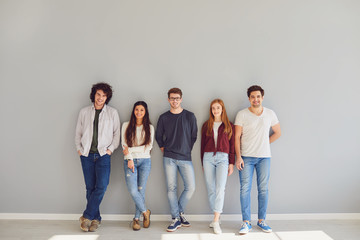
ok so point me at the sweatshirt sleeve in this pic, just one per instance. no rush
(194, 130)
(160, 132)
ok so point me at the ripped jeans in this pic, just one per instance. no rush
(136, 182)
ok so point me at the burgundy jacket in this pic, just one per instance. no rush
(223, 143)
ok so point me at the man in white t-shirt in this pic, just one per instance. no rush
(252, 146)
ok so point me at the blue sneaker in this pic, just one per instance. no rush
(174, 225)
(264, 227)
(184, 221)
(245, 228)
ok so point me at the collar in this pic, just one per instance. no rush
(103, 109)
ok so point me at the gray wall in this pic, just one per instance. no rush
(304, 53)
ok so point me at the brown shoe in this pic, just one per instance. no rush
(94, 225)
(135, 224)
(84, 223)
(146, 221)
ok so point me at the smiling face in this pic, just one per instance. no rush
(256, 99)
(175, 100)
(216, 110)
(139, 112)
(99, 99)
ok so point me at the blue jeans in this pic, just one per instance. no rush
(187, 174)
(262, 168)
(136, 182)
(215, 171)
(96, 171)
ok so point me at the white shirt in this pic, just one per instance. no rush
(216, 130)
(138, 151)
(108, 130)
(255, 139)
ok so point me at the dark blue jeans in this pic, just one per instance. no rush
(96, 171)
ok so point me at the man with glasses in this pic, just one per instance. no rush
(176, 134)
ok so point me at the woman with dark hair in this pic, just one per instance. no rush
(217, 157)
(137, 141)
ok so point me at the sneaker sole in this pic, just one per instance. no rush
(130, 225)
(267, 231)
(84, 229)
(243, 233)
(185, 225)
(173, 230)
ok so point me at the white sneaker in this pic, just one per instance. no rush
(211, 225)
(217, 228)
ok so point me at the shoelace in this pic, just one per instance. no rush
(183, 218)
(244, 225)
(263, 224)
(173, 222)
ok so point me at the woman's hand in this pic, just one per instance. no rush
(230, 169)
(131, 165)
(126, 150)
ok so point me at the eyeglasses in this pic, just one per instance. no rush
(175, 99)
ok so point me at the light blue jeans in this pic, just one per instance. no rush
(187, 174)
(262, 168)
(136, 182)
(215, 171)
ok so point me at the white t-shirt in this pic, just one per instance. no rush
(216, 129)
(139, 151)
(255, 132)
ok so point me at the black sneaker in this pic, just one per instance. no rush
(184, 221)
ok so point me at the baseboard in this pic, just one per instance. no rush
(195, 217)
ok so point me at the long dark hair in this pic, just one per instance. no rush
(130, 132)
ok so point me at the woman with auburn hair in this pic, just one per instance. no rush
(217, 157)
(137, 141)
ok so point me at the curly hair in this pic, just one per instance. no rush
(106, 88)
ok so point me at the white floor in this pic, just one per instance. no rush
(282, 230)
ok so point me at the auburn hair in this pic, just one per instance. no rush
(224, 119)
(130, 132)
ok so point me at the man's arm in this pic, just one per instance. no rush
(116, 134)
(159, 134)
(78, 133)
(277, 133)
(194, 130)
(239, 161)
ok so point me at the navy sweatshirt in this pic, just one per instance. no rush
(177, 133)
